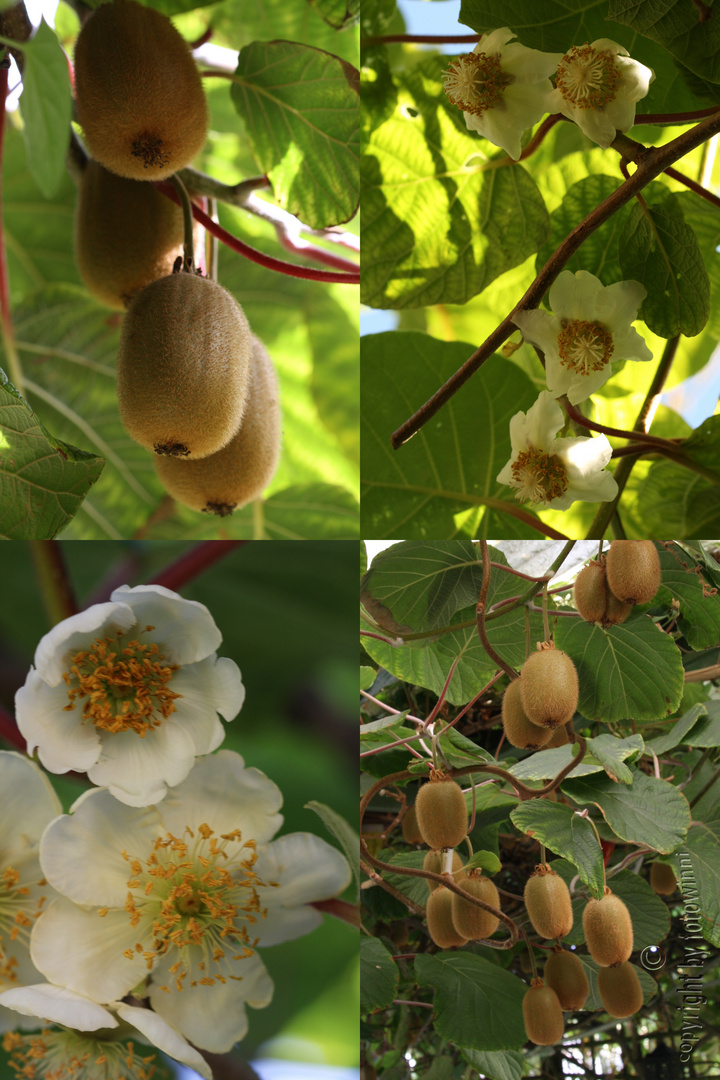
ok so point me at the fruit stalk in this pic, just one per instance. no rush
(188, 243)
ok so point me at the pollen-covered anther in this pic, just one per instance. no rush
(588, 78)
(476, 82)
(584, 346)
(538, 477)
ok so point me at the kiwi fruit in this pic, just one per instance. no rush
(439, 919)
(542, 1014)
(519, 731)
(633, 570)
(549, 687)
(662, 878)
(590, 592)
(435, 861)
(471, 921)
(616, 611)
(183, 366)
(139, 96)
(620, 990)
(548, 903)
(409, 827)
(608, 930)
(565, 973)
(559, 737)
(441, 813)
(241, 470)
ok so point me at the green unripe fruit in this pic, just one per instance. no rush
(565, 973)
(608, 930)
(519, 731)
(633, 570)
(549, 688)
(441, 813)
(409, 827)
(662, 878)
(439, 919)
(434, 861)
(139, 95)
(620, 990)
(548, 903)
(183, 366)
(542, 1015)
(473, 922)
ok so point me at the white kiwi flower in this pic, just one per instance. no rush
(502, 88)
(587, 330)
(129, 692)
(598, 86)
(555, 472)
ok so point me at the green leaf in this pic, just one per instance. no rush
(648, 811)
(460, 751)
(378, 975)
(343, 832)
(674, 25)
(300, 106)
(450, 468)
(704, 219)
(605, 752)
(477, 1004)
(618, 669)
(611, 752)
(599, 253)
(496, 1065)
(441, 1069)
(684, 586)
(44, 480)
(673, 501)
(440, 220)
(367, 678)
(707, 731)
(660, 250)
(237, 23)
(697, 867)
(676, 734)
(486, 860)
(415, 888)
(46, 106)
(338, 13)
(563, 831)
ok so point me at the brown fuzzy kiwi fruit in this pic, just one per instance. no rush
(548, 903)
(565, 973)
(127, 234)
(471, 921)
(439, 919)
(442, 813)
(590, 592)
(549, 687)
(519, 731)
(620, 990)
(409, 827)
(542, 1014)
(435, 860)
(241, 470)
(608, 930)
(559, 737)
(616, 611)
(139, 96)
(633, 570)
(183, 366)
(662, 878)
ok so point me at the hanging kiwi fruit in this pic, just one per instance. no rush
(542, 1014)
(593, 598)
(519, 731)
(549, 688)
(548, 903)
(138, 93)
(620, 990)
(633, 570)
(471, 921)
(662, 879)
(441, 812)
(409, 827)
(438, 913)
(565, 974)
(434, 861)
(608, 930)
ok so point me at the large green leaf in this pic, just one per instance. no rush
(450, 467)
(563, 831)
(684, 586)
(674, 25)
(46, 105)
(605, 752)
(648, 811)
(703, 217)
(337, 12)
(496, 1065)
(236, 23)
(476, 1004)
(440, 221)
(378, 975)
(673, 501)
(697, 868)
(301, 109)
(619, 668)
(343, 832)
(650, 915)
(678, 733)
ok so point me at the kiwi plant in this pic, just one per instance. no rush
(542, 1014)
(441, 812)
(519, 731)
(608, 929)
(549, 687)
(633, 570)
(594, 599)
(441, 926)
(662, 879)
(548, 903)
(471, 921)
(565, 974)
(620, 990)
(434, 862)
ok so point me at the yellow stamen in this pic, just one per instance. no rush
(588, 78)
(538, 476)
(476, 82)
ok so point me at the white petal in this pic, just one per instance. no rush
(544, 420)
(497, 128)
(185, 627)
(557, 376)
(583, 456)
(494, 41)
(63, 742)
(59, 1005)
(606, 45)
(27, 803)
(618, 304)
(600, 487)
(77, 633)
(137, 770)
(165, 1037)
(213, 685)
(540, 328)
(530, 65)
(595, 124)
(526, 103)
(620, 114)
(629, 345)
(306, 869)
(574, 296)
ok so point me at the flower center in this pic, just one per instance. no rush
(123, 684)
(16, 913)
(584, 346)
(588, 78)
(476, 82)
(74, 1055)
(197, 900)
(538, 476)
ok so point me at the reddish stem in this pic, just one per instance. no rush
(309, 251)
(694, 186)
(421, 39)
(681, 117)
(194, 562)
(635, 436)
(341, 909)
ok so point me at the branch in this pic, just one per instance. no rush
(194, 562)
(480, 614)
(421, 39)
(341, 909)
(225, 1067)
(54, 580)
(653, 441)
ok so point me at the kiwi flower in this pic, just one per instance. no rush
(93, 1042)
(173, 901)
(588, 330)
(598, 87)
(555, 472)
(502, 88)
(129, 692)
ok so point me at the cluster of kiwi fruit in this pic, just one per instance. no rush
(195, 386)
(537, 705)
(607, 589)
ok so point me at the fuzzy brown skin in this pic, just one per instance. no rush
(542, 1015)
(435, 860)
(519, 731)
(409, 826)
(559, 737)
(620, 990)
(549, 688)
(471, 921)
(633, 570)
(608, 930)
(565, 974)
(240, 472)
(662, 879)
(139, 95)
(442, 814)
(548, 903)
(616, 611)
(183, 366)
(590, 592)
(439, 919)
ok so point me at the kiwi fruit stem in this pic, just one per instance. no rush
(188, 248)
